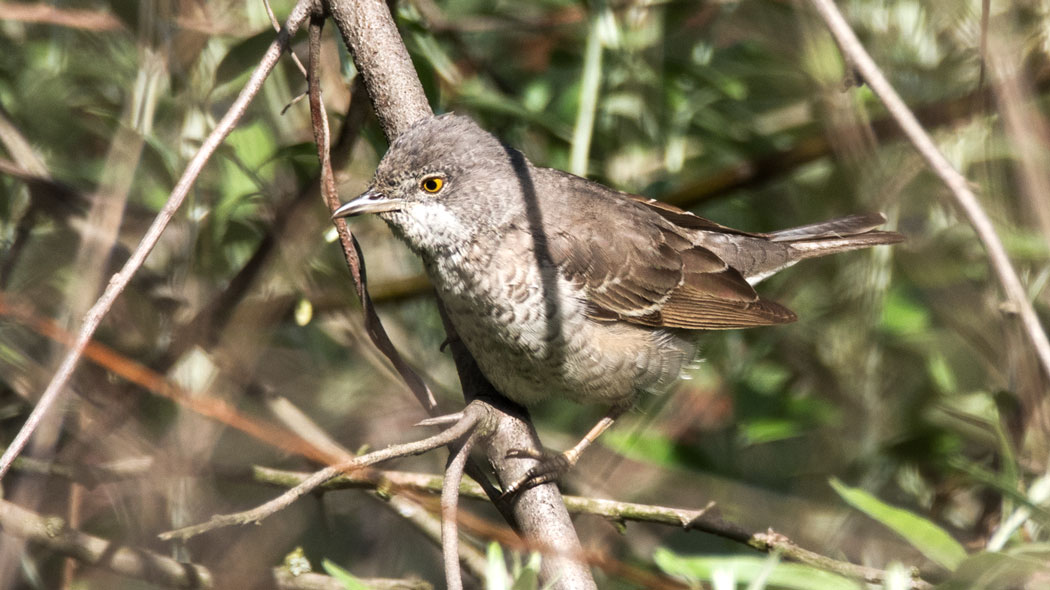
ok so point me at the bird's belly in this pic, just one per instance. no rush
(529, 333)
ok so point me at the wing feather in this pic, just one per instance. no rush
(657, 277)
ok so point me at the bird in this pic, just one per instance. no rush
(561, 287)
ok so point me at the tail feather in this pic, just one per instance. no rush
(818, 239)
(836, 228)
(808, 248)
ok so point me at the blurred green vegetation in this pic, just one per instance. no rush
(906, 376)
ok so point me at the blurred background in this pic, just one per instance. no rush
(906, 376)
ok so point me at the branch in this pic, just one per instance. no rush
(449, 504)
(964, 198)
(135, 563)
(404, 506)
(119, 281)
(397, 95)
(471, 417)
(705, 520)
(53, 534)
(351, 250)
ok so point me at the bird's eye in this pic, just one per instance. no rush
(432, 184)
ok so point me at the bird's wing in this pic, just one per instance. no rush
(650, 273)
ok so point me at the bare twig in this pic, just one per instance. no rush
(470, 419)
(960, 190)
(705, 520)
(277, 28)
(86, 20)
(406, 506)
(52, 533)
(116, 285)
(771, 542)
(449, 504)
(351, 250)
(134, 563)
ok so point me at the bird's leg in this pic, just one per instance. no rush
(551, 467)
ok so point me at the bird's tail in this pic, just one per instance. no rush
(809, 241)
(837, 235)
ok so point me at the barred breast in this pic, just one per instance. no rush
(526, 325)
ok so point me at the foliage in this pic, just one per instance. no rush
(905, 377)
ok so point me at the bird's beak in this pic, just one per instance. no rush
(370, 201)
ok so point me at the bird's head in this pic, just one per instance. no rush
(442, 182)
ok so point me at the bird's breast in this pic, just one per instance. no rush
(526, 325)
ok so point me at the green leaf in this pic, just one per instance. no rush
(495, 568)
(746, 569)
(243, 56)
(991, 571)
(649, 446)
(933, 541)
(348, 580)
(903, 316)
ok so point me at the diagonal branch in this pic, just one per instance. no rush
(53, 534)
(960, 190)
(351, 250)
(119, 281)
(470, 419)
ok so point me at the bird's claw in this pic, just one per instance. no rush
(550, 468)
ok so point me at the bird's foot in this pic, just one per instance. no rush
(550, 468)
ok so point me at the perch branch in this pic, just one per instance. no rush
(705, 520)
(538, 513)
(406, 506)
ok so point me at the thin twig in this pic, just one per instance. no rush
(119, 281)
(277, 27)
(965, 198)
(406, 506)
(773, 542)
(706, 519)
(351, 249)
(135, 563)
(315, 480)
(449, 505)
(53, 534)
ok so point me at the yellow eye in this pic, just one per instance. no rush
(432, 184)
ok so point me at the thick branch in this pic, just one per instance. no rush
(382, 59)
(397, 95)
